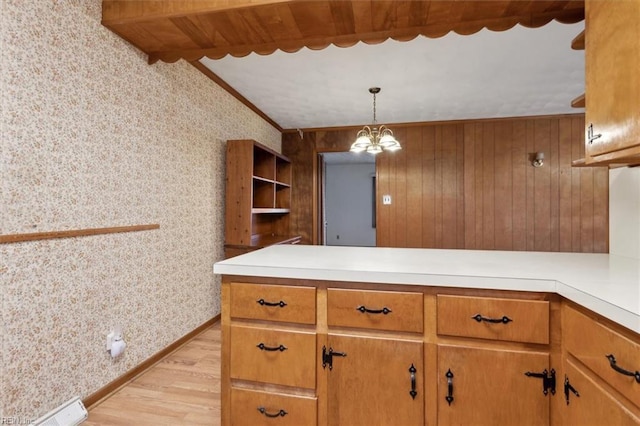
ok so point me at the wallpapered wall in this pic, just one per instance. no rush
(93, 136)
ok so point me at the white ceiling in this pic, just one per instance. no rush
(518, 72)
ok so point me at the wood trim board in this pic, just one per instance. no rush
(17, 238)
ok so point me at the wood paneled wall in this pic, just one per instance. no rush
(470, 184)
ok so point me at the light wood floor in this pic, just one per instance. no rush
(182, 389)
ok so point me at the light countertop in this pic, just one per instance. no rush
(606, 284)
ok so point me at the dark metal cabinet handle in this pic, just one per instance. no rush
(412, 373)
(568, 388)
(364, 309)
(590, 136)
(262, 302)
(264, 347)
(449, 376)
(504, 320)
(280, 413)
(612, 363)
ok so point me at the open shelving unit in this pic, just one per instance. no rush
(258, 197)
(578, 44)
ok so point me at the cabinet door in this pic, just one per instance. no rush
(372, 384)
(594, 406)
(612, 50)
(489, 387)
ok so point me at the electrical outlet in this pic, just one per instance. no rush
(386, 199)
(110, 338)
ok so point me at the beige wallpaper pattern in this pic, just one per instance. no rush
(93, 136)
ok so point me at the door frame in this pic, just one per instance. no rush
(318, 235)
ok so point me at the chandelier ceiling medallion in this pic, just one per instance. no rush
(375, 139)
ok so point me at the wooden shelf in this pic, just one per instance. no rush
(264, 210)
(578, 102)
(271, 181)
(283, 171)
(261, 179)
(581, 162)
(258, 196)
(264, 164)
(578, 42)
(270, 240)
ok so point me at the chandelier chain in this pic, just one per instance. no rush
(374, 109)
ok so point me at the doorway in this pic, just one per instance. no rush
(348, 199)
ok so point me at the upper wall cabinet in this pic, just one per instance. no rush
(612, 49)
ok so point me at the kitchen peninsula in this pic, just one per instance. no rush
(346, 335)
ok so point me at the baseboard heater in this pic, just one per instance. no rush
(71, 413)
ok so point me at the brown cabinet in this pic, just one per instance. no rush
(612, 61)
(374, 379)
(494, 318)
(482, 381)
(603, 351)
(378, 381)
(325, 353)
(588, 403)
(259, 408)
(378, 310)
(482, 386)
(269, 355)
(258, 198)
(272, 355)
(601, 365)
(274, 303)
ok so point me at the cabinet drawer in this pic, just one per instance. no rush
(255, 408)
(493, 318)
(274, 303)
(281, 357)
(591, 343)
(381, 310)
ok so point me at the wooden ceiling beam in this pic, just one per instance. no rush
(116, 12)
(192, 29)
(373, 37)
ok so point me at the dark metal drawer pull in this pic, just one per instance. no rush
(262, 302)
(568, 388)
(504, 320)
(412, 372)
(612, 363)
(449, 376)
(280, 413)
(590, 136)
(264, 347)
(364, 309)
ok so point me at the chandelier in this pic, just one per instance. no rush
(375, 139)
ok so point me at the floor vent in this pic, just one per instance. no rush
(71, 413)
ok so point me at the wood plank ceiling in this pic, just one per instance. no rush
(192, 29)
